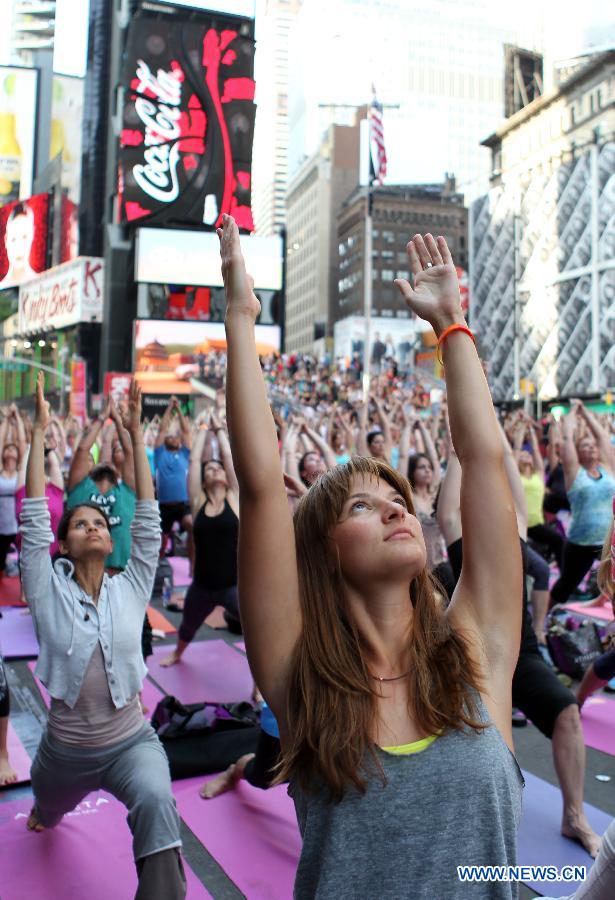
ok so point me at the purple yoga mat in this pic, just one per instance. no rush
(17, 638)
(540, 842)
(209, 670)
(598, 720)
(87, 855)
(181, 570)
(18, 758)
(252, 834)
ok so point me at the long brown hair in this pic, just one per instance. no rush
(331, 698)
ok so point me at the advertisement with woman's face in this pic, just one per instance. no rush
(23, 240)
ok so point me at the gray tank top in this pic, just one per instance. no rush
(456, 803)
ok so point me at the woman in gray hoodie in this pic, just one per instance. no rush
(89, 631)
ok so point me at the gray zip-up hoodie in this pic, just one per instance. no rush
(68, 623)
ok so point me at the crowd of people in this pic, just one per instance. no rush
(391, 556)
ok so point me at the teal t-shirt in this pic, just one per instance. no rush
(119, 504)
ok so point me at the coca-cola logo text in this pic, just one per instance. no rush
(157, 176)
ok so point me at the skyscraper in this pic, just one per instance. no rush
(438, 69)
(270, 156)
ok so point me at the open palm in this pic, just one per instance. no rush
(435, 295)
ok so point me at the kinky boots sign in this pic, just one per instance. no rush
(185, 153)
(63, 296)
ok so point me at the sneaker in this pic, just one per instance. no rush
(519, 720)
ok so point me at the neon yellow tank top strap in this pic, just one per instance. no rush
(413, 747)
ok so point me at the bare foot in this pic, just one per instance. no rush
(227, 780)
(171, 659)
(579, 829)
(8, 775)
(33, 823)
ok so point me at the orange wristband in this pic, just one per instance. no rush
(446, 333)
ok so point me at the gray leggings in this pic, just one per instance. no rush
(136, 772)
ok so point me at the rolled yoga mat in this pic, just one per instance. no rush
(209, 670)
(88, 854)
(17, 638)
(540, 842)
(252, 835)
(598, 721)
(181, 570)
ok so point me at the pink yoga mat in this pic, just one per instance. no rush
(252, 834)
(17, 638)
(87, 855)
(540, 842)
(181, 570)
(209, 670)
(598, 720)
(18, 758)
(604, 612)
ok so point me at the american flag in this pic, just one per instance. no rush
(378, 154)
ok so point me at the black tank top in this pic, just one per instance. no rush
(215, 549)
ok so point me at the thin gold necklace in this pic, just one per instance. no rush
(395, 678)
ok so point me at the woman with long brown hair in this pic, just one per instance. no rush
(394, 713)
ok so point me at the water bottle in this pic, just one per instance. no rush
(167, 593)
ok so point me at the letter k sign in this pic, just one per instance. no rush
(91, 273)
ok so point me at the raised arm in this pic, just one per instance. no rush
(385, 425)
(164, 423)
(601, 436)
(196, 495)
(486, 604)
(36, 534)
(539, 466)
(80, 464)
(327, 453)
(226, 457)
(362, 448)
(553, 443)
(570, 459)
(448, 510)
(131, 422)
(289, 454)
(128, 466)
(268, 582)
(430, 451)
(184, 426)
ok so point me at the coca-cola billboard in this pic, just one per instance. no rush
(63, 296)
(185, 153)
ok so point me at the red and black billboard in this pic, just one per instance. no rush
(188, 121)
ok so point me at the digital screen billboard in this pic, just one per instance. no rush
(18, 99)
(65, 132)
(23, 240)
(185, 153)
(168, 354)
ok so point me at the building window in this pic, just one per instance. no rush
(387, 254)
(388, 236)
(388, 274)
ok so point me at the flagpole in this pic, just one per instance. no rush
(367, 292)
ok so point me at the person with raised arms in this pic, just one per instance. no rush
(394, 713)
(88, 627)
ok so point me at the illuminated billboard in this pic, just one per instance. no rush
(18, 96)
(65, 132)
(167, 355)
(23, 240)
(193, 257)
(185, 153)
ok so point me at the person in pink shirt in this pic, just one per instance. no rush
(54, 490)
